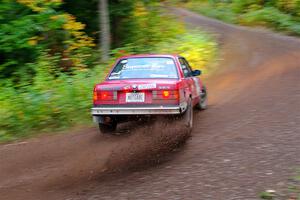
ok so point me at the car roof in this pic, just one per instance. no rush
(150, 56)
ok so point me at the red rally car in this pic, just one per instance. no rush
(145, 85)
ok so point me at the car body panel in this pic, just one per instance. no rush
(158, 95)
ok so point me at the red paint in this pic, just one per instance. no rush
(167, 91)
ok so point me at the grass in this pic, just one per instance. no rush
(220, 11)
(48, 104)
(269, 16)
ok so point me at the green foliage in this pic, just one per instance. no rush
(28, 29)
(273, 18)
(219, 10)
(86, 12)
(141, 38)
(120, 11)
(150, 26)
(198, 48)
(49, 103)
(44, 78)
(289, 6)
(244, 6)
(281, 15)
(15, 50)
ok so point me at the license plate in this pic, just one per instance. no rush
(135, 97)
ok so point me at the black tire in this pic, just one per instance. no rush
(108, 128)
(202, 105)
(187, 116)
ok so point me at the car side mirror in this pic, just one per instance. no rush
(196, 72)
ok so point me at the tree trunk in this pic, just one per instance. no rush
(104, 30)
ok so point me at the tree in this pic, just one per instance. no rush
(104, 29)
(30, 29)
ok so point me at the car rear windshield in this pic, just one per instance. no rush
(133, 68)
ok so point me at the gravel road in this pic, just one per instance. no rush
(246, 142)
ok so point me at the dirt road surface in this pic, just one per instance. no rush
(247, 141)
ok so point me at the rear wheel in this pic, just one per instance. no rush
(108, 128)
(187, 116)
(202, 105)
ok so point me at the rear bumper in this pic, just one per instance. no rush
(155, 110)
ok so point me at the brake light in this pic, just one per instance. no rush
(166, 94)
(105, 95)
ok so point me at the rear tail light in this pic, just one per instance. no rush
(165, 94)
(105, 95)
